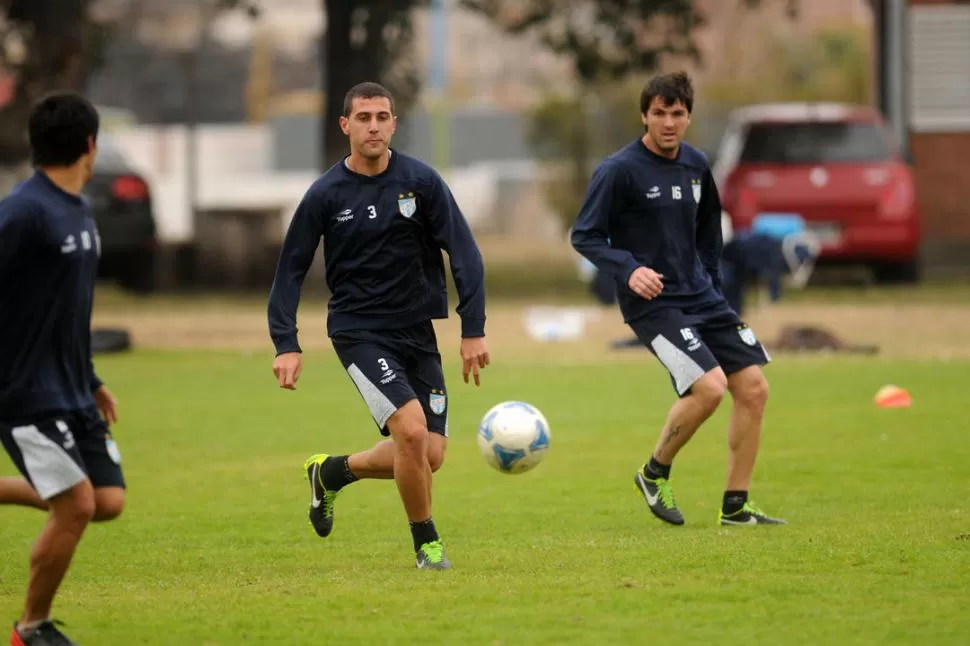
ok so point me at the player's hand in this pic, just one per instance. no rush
(287, 368)
(474, 355)
(107, 404)
(646, 283)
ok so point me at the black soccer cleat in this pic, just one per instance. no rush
(45, 634)
(748, 515)
(321, 499)
(660, 498)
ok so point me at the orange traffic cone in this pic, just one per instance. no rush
(893, 397)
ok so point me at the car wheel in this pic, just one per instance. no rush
(890, 273)
(138, 273)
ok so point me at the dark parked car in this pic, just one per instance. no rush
(122, 205)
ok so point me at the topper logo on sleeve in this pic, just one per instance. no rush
(345, 216)
(69, 245)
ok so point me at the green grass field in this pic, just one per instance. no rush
(215, 549)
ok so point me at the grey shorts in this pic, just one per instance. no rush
(390, 368)
(56, 452)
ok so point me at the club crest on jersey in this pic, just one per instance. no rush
(437, 402)
(407, 204)
(695, 187)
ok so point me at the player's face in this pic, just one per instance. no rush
(666, 124)
(370, 126)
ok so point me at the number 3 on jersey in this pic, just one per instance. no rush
(372, 211)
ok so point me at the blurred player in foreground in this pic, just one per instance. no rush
(54, 411)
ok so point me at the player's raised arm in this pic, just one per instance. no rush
(451, 231)
(96, 382)
(299, 246)
(49, 420)
(709, 238)
(591, 236)
(103, 398)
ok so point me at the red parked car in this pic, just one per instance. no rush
(837, 167)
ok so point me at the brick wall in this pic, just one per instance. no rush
(943, 184)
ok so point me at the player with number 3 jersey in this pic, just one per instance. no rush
(384, 218)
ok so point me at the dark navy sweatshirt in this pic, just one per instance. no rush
(49, 250)
(382, 243)
(642, 209)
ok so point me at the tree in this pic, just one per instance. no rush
(607, 41)
(45, 45)
(50, 45)
(832, 64)
(604, 38)
(566, 131)
(366, 40)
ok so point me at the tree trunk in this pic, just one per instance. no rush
(354, 51)
(338, 77)
(57, 58)
(14, 148)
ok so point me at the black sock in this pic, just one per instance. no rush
(336, 473)
(423, 532)
(654, 469)
(734, 501)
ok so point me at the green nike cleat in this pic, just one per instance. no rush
(321, 500)
(431, 556)
(660, 498)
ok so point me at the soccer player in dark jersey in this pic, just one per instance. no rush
(384, 218)
(54, 411)
(652, 219)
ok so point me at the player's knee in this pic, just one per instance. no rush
(413, 439)
(109, 503)
(436, 456)
(74, 508)
(409, 428)
(710, 389)
(751, 391)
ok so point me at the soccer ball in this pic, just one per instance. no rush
(513, 437)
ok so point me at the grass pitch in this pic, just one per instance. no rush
(214, 547)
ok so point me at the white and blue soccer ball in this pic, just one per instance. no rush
(513, 437)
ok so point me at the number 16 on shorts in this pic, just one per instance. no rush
(690, 336)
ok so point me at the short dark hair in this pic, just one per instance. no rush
(671, 88)
(366, 90)
(59, 128)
